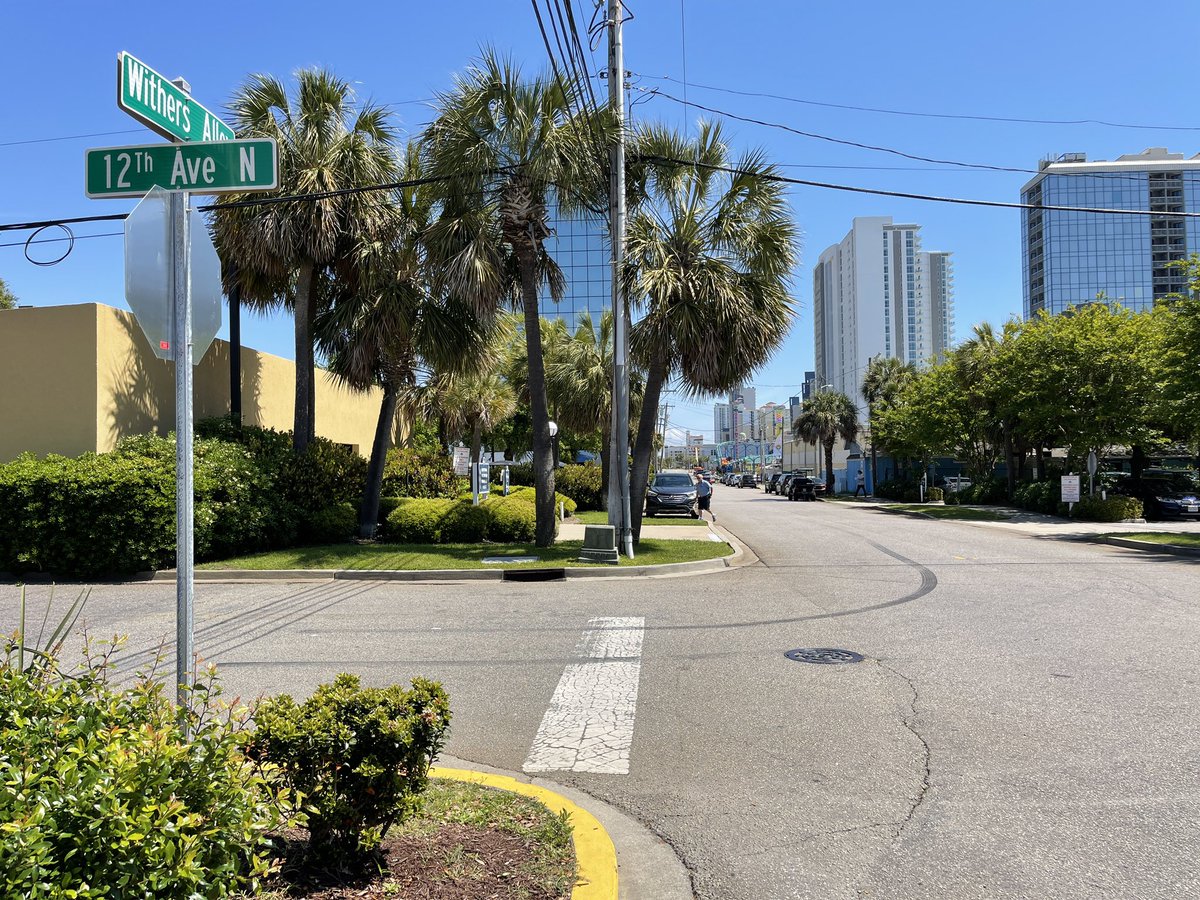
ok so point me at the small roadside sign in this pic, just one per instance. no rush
(462, 461)
(203, 168)
(1070, 489)
(163, 107)
(481, 481)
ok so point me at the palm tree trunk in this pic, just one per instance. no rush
(828, 468)
(304, 313)
(368, 513)
(476, 440)
(643, 448)
(543, 463)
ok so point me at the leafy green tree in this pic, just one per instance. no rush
(1081, 380)
(710, 245)
(284, 253)
(474, 404)
(1172, 333)
(825, 417)
(505, 148)
(8, 300)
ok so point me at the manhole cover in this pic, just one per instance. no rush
(824, 655)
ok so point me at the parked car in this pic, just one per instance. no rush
(672, 491)
(1169, 494)
(782, 486)
(802, 487)
(746, 479)
(953, 483)
(773, 482)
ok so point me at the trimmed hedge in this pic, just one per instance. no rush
(529, 495)
(498, 519)
(1114, 509)
(935, 493)
(89, 517)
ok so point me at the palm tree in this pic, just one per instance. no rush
(579, 384)
(475, 404)
(384, 325)
(507, 148)
(711, 246)
(826, 416)
(281, 252)
(885, 377)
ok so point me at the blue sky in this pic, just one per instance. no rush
(1014, 59)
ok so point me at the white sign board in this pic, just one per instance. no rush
(1070, 489)
(462, 461)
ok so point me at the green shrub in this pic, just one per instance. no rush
(102, 796)
(1114, 509)
(991, 491)
(1042, 497)
(935, 493)
(410, 474)
(465, 523)
(521, 473)
(386, 506)
(89, 517)
(529, 495)
(323, 475)
(331, 525)
(513, 520)
(359, 756)
(580, 483)
(417, 521)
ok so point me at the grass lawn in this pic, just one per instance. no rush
(407, 557)
(1160, 537)
(947, 512)
(600, 517)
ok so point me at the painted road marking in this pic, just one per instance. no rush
(589, 725)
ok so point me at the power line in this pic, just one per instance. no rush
(78, 237)
(923, 115)
(655, 92)
(999, 204)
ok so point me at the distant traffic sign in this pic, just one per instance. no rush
(202, 168)
(153, 100)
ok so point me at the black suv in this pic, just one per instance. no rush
(672, 491)
(773, 482)
(746, 479)
(802, 487)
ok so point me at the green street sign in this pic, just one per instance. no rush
(214, 167)
(154, 101)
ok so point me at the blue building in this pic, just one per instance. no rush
(1071, 257)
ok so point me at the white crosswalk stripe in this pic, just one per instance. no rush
(589, 725)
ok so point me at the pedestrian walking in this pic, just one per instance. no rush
(704, 493)
(862, 483)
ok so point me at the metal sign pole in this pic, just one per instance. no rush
(181, 304)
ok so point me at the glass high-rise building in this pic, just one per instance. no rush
(580, 245)
(1071, 257)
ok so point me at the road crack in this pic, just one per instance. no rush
(909, 722)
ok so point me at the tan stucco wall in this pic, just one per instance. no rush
(47, 381)
(77, 378)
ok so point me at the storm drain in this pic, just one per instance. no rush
(534, 574)
(825, 656)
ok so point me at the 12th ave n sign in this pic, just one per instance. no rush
(202, 168)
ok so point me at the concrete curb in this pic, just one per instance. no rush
(595, 855)
(1133, 544)
(646, 867)
(452, 575)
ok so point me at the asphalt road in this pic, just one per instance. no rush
(1023, 724)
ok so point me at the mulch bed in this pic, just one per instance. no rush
(457, 862)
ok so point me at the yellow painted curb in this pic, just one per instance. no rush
(594, 852)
